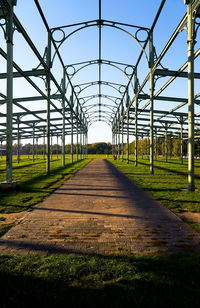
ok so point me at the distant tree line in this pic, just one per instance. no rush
(94, 148)
(173, 147)
(100, 148)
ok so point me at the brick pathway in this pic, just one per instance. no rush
(99, 210)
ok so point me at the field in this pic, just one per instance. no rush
(34, 184)
(168, 184)
(79, 281)
(121, 280)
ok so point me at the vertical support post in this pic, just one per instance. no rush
(190, 42)
(156, 145)
(33, 145)
(36, 150)
(63, 117)
(51, 146)
(136, 118)
(146, 146)
(112, 143)
(81, 148)
(77, 133)
(127, 125)
(163, 147)
(166, 148)
(181, 141)
(18, 140)
(44, 144)
(83, 145)
(1, 148)
(122, 152)
(48, 90)
(9, 100)
(170, 146)
(57, 146)
(118, 154)
(151, 63)
(142, 145)
(116, 142)
(136, 131)
(86, 145)
(77, 142)
(72, 129)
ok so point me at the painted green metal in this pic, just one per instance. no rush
(43, 144)
(9, 43)
(118, 152)
(122, 149)
(112, 144)
(77, 147)
(63, 119)
(156, 145)
(151, 64)
(33, 145)
(166, 145)
(57, 148)
(18, 140)
(72, 130)
(48, 91)
(127, 131)
(136, 118)
(81, 145)
(142, 146)
(190, 41)
(36, 148)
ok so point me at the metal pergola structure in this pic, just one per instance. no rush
(69, 111)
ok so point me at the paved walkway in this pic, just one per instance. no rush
(99, 210)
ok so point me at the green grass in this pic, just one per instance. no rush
(92, 281)
(78, 281)
(168, 184)
(5, 227)
(194, 225)
(34, 184)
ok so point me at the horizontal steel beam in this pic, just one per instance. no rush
(32, 73)
(164, 113)
(31, 99)
(167, 72)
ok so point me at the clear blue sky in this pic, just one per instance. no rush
(116, 45)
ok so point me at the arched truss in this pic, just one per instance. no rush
(105, 62)
(99, 23)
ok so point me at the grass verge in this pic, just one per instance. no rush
(5, 227)
(34, 184)
(168, 184)
(75, 281)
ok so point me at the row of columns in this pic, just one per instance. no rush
(81, 147)
(118, 147)
(190, 42)
(9, 104)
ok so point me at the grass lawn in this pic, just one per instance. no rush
(168, 184)
(92, 281)
(34, 184)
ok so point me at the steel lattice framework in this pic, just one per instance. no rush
(69, 111)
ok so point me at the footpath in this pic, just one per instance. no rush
(101, 211)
